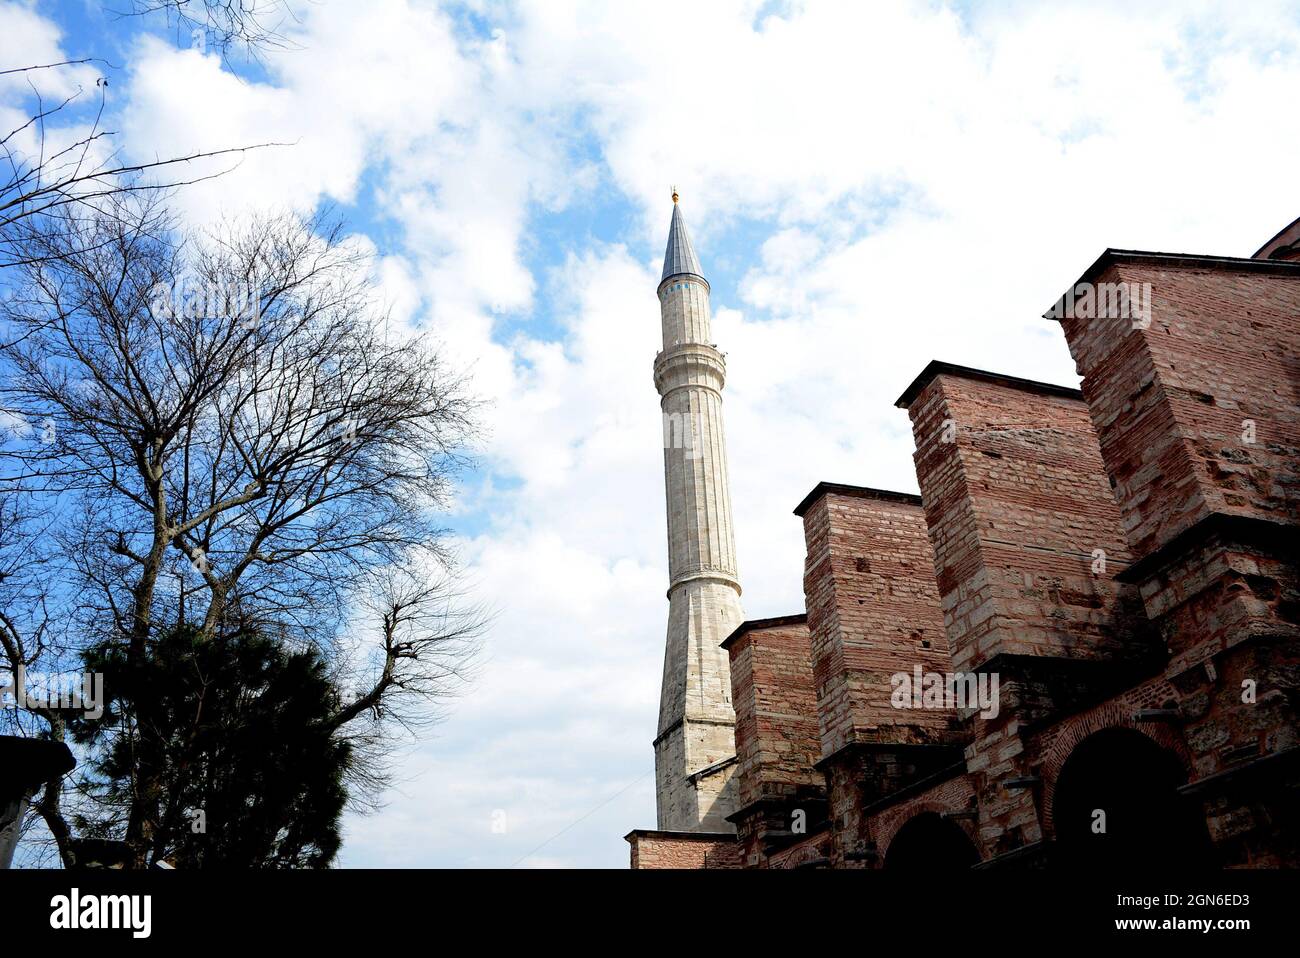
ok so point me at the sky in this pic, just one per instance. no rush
(868, 186)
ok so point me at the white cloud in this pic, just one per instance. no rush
(46, 103)
(28, 39)
(922, 181)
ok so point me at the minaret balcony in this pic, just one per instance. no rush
(690, 364)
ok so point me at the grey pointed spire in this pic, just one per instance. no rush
(680, 256)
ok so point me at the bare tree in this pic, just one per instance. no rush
(42, 174)
(232, 440)
(252, 25)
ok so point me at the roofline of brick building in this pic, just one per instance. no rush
(1110, 257)
(696, 836)
(858, 492)
(753, 625)
(937, 367)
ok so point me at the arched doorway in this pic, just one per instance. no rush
(1116, 803)
(930, 842)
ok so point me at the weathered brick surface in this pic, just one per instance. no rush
(873, 611)
(1027, 543)
(1169, 400)
(858, 777)
(776, 709)
(651, 849)
(811, 852)
(954, 798)
(1198, 413)
(776, 736)
(1026, 534)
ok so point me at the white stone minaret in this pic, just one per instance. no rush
(696, 745)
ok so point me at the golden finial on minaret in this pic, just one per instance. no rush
(674, 194)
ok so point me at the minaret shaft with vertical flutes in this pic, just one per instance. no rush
(696, 720)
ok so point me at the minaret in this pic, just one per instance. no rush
(696, 744)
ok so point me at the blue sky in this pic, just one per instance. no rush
(869, 186)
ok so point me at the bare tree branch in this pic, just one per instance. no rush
(36, 183)
(238, 444)
(254, 26)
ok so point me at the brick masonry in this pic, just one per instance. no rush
(1122, 557)
(1026, 532)
(653, 849)
(776, 708)
(1197, 411)
(781, 795)
(873, 612)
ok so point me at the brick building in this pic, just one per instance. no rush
(1116, 569)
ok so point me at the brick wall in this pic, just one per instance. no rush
(1027, 537)
(873, 611)
(1197, 596)
(776, 709)
(1028, 543)
(1198, 414)
(652, 849)
(780, 794)
(953, 798)
(1169, 400)
(811, 852)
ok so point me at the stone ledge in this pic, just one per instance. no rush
(937, 367)
(1242, 529)
(1247, 264)
(680, 836)
(857, 492)
(753, 625)
(694, 777)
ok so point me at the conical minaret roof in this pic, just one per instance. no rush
(680, 256)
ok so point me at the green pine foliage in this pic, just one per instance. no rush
(253, 776)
